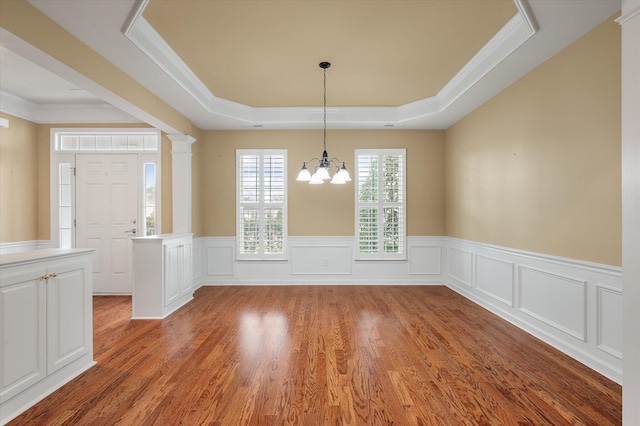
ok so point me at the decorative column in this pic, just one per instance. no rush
(181, 182)
(630, 22)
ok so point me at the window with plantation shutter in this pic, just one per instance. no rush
(261, 204)
(380, 203)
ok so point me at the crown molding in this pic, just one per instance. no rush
(517, 31)
(62, 113)
(628, 15)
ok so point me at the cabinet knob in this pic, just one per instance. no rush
(47, 276)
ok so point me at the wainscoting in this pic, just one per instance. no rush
(318, 260)
(574, 306)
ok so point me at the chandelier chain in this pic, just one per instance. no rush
(324, 138)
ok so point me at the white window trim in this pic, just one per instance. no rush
(381, 255)
(261, 204)
(57, 157)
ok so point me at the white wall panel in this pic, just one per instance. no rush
(494, 277)
(197, 258)
(425, 260)
(555, 300)
(219, 260)
(460, 265)
(609, 320)
(321, 260)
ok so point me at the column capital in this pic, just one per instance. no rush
(182, 138)
(181, 144)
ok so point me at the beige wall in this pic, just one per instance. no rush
(196, 186)
(18, 181)
(538, 167)
(323, 210)
(167, 187)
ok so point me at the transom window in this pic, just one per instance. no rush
(261, 204)
(99, 141)
(380, 203)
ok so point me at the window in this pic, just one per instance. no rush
(149, 199)
(128, 140)
(261, 204)
(380, 203)
(65, 206)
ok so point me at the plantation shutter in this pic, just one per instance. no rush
(380, 204)
(261, 204)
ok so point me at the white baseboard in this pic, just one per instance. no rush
(572, 305)
(21, 246)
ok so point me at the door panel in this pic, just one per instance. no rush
(22, 328)
(66, 315)
(106, 208)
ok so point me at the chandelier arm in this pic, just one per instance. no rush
(314, 158)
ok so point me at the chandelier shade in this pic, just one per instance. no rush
(326, 165)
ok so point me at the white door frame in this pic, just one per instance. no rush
(58, 157)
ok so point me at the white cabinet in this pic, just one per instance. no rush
(162, 274)
(45, 324)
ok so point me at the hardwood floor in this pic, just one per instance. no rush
(325, 355)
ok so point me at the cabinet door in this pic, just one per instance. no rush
(68, 314)
(186, 274)
(22, 329)
(172, 273)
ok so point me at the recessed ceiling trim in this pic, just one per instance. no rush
(337, 117)
(518, 30)
(147, 39)
(506, 41)
(62, 113)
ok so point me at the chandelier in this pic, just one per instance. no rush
(325, 164)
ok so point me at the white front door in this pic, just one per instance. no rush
(106, 217)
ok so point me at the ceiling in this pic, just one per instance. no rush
(247, 64)
(384, 53)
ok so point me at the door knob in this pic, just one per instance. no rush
(131, 231)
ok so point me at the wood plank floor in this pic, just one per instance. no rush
(325, 355)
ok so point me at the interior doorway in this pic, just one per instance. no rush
(105, 189)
